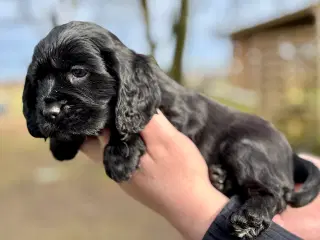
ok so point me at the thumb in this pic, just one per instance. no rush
(158, 130)
(93, 146)
(104, 137)
(92, 149)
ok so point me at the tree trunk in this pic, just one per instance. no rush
(146, 16)
(180, 31)
(54, 17)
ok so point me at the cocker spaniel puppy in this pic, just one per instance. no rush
(82, 79)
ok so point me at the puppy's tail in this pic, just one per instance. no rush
(308, 174)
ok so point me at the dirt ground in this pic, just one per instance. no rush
(41, 198)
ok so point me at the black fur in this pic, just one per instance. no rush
(121, 90)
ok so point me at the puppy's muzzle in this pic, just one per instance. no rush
(53, 110)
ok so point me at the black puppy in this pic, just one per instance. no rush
(83, 79)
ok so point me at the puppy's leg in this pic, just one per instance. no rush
(121, 159)
(259, 179)
(254, 216)
(219, 179)
(65, 149)
(217, 176)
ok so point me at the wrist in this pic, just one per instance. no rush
(194, 213)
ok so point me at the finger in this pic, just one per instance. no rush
(92, 149)
(104, 137)
(146, 164)
(158, 130)
(278, 220)
(146, 168)
(143, 174)
(311, 158)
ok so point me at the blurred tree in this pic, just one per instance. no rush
(25, 10)
(179, 30)
(55, 16)
(146, 15)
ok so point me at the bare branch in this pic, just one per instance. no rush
(146, 16)
(180, 31)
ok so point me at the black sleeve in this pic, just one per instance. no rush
(219, 229)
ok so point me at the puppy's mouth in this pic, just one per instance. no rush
(67, 126)
(49, 130)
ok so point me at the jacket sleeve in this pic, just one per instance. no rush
(219, 229)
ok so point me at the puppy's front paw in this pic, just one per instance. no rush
(122, 159)
(248, 223)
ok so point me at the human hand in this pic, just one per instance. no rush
(305, 221)
(172, 179)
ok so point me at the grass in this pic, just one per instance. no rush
(235, 105)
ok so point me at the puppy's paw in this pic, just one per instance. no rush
(217, 176)
(122, 159)
(118, 165)
(248, 223)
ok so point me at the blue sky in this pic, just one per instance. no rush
(205, 49)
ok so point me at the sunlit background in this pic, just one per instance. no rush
(260, 56)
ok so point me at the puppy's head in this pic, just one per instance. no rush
(82, 79)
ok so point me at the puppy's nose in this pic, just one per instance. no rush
(52, 110)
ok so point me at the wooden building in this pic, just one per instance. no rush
(280, 61)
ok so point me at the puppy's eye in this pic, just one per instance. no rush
(79, 72)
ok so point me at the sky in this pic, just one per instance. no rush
(207, 47)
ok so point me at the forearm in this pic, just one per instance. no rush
(193, 214)
(203, 213)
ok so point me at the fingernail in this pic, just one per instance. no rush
(163, 121)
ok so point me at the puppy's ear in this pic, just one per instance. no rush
(138, 90)
(29, 107)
